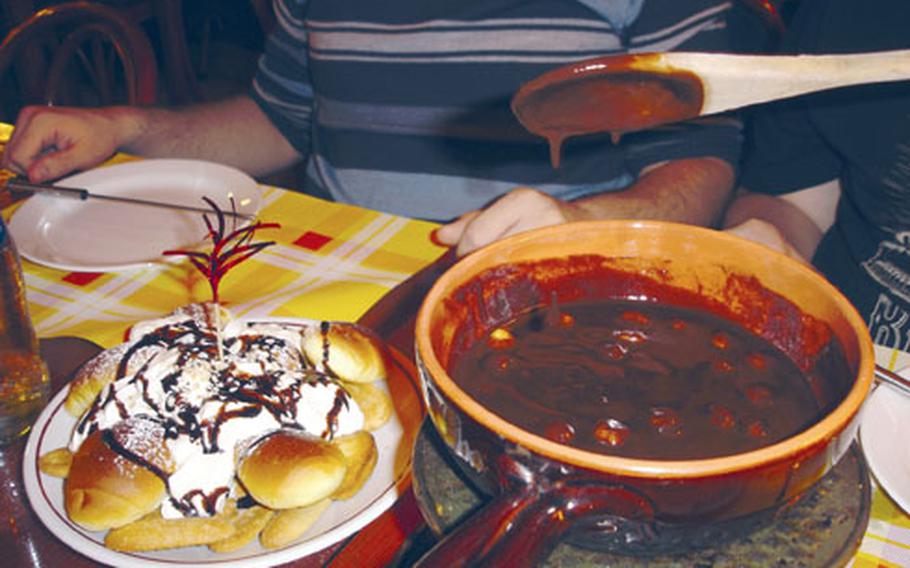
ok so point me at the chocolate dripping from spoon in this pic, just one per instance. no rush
(614, 94)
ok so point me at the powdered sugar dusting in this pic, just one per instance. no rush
(182, 410)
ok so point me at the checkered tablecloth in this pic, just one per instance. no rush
(332, 261)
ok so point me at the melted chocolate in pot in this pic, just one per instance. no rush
(640, 379)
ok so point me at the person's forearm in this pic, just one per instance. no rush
(693, 191)
(234, 132)
(794, 225)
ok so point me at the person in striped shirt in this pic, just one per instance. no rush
(403, 106)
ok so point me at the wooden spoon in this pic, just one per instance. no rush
(625, 93)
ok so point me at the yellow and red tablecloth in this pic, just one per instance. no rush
(331, 261)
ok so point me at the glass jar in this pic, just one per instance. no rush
(24, 381)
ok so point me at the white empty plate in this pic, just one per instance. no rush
(98, 235)
(883, 433)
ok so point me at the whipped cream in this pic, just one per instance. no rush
(215, 390)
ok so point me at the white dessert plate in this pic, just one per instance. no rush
(390, 478)
(886, 414)
(98, 235)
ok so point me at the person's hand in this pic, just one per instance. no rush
(764, 233)
(49, 142)
(519, 210)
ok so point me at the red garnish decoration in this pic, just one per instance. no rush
(228, 250)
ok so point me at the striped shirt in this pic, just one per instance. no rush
(403, 106)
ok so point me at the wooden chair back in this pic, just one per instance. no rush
(81, 54)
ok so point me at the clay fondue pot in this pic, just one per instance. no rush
(544, 490)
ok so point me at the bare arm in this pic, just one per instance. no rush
(792, 223)
(693, 191)
(49, 142)
(234, 132)
(687, 191)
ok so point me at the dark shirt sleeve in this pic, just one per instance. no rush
(786, 152)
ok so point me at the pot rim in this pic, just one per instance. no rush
(819, 434)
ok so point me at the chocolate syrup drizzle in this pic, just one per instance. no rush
(340, 402)
(243, 395)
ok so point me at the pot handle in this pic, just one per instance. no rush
(492, 533)
(519, 528)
